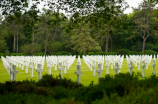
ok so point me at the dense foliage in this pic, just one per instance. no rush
(86, 26)
(120, 89)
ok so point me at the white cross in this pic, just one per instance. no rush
(49, 67)
(107, 67)
(143, 67)
(14, 72)
(31, 69)
(39, 70)
(60, 70)
(26, 66)
(99, 71)
(154, 66)
(94, 68)
(130, 68)
(116, 68)
(78, 73)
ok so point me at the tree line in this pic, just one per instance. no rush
(92, 26)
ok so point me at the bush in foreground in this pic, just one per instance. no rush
(120, 89)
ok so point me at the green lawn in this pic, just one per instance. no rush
(86, 77)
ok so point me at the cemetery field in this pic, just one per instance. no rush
(86, 77)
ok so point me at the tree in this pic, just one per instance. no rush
(82, 40)
(3, 34)
(9, 7)
(49, 27)
(31, 19)
(102, 14)
(14, 23)
(143, 19)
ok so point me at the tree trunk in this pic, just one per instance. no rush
(17, 45)
(14, 43)
(107, 43)
(45, 49)
(45, 52)
(84, 52)
(33, 36)
(144, 40)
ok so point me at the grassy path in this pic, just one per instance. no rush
(86, 77)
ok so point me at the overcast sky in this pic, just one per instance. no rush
(131, 3)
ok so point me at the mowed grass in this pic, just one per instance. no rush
(86, 78)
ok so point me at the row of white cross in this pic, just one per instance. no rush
(64, 62)
(117, 60)
(145, 59)
(37, 63)
(91, 62)
(12, 62)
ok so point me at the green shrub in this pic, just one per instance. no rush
(122, 51)
(7, 52)
(63, 53)
(117, 89)
(51, 81)
(155, 48)
(39, 54)
(20, 54)
(150, 52)
(149, 46)
(90, 53)
(80, 54)
(53, 47)
(100, 53)
(131, 53)
(111, 53)
(31, 49)
(2, 54)
(13, 54)
(140, 53)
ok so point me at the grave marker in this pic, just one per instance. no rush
(60, 70)
(139, 65)
(78, 72)
(11, 69)
(93, 68)
(49, 67)
(116, 68)
(131, 67)
(143, 67)
(31, 69)
(154, 66)
(107, 67)
(14, 72)
(39, 70)
(99, 71)
(65, 70)
(26, 66)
